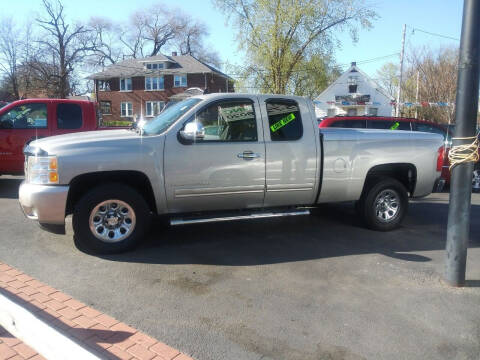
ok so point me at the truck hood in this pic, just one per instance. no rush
(83, 139)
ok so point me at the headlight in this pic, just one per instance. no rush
(42, 170)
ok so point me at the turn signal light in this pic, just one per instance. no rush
(53, 176)
(53, 165)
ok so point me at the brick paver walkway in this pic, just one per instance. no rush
(101, 334)
(11, 348)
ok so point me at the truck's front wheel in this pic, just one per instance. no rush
(111, 218)
(384, 204)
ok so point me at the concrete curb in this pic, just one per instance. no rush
(65, 321)
(47, 341)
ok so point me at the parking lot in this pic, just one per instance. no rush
(313, 287)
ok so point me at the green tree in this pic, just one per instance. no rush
(283, 38)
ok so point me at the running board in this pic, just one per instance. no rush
(253, 215)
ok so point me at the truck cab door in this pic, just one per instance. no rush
(224, 167)
(292, 152)
(19, 125)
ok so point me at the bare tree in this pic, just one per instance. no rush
(160, 26)
(437, 70)
(190, 41)
(65, 44)
(157, 28)
(151, 29)
(16, 50)
(105, 41)
(10, 44)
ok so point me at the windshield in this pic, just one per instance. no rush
(168, 117)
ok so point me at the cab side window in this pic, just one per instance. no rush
(28, 116)
(388, 124)
(228, 121)
(284, 120)
(69, 116)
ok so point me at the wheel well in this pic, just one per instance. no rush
(405, 173)
(85, 182)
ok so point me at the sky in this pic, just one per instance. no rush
(443, 17)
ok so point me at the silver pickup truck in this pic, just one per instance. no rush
(221, 157)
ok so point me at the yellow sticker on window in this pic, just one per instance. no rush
(282, 122)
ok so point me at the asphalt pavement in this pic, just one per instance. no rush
(309, 287)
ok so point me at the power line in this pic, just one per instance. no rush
(433, 34)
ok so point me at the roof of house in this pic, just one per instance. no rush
(182, 64)
(159, 57)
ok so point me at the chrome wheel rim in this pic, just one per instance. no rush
(476, 180)
(387, 205)
(112, 221)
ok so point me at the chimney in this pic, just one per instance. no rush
(174, 53)
(354, 63)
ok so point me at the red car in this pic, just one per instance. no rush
(395, 123)
(25, 120)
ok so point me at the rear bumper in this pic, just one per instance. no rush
(44, 203)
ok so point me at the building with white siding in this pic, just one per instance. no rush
(354, 93)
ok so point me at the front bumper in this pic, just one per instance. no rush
(44, 203)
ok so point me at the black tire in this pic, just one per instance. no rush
(366, 206)
(113, 191)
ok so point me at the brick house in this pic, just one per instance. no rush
(140, 88)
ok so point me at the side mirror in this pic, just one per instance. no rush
(193, 131)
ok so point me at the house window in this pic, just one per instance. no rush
(126, 109)
(154, 83)
(180, 81)
(155, 66)
(103, 85)
(126, 84)
(106, 107)
(352, 112)
(352, 84)
(153, 108)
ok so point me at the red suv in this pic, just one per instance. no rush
(395, 123)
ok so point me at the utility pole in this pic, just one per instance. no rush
(416, 96)
(399, 93)
(458, 227)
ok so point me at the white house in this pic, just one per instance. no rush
(354, 93)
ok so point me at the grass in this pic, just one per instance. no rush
(116, 123)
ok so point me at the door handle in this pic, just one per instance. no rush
(248, 155)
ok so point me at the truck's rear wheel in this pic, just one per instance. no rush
(111, 218)
(383, 204)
